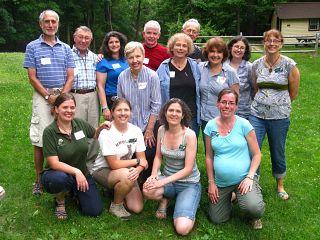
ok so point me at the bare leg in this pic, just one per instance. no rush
(183, 225)
(134, 200)
(38, 161)
(60, 210)
(281, 191)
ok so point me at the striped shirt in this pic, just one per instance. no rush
(143, 94)
(85, 71)
(50, 62)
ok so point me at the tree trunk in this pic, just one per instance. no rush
(137, 24)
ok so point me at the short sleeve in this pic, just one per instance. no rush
(291, 64)
(49, 144)
(106, 145)
(70, 60)
(246, 126)
(233, 78)
(210, 128)
(101, 66)
(141, 147)
(29, 59)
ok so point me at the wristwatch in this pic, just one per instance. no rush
(138, 162)
(46, 97)
(104, 108)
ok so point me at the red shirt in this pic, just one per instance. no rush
(155, 56)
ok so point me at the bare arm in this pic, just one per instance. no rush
(35, 82)
(236, 87)
(149, 138)
(254, 81)
(101, 83)
(294, 82)
(213, 191)
(68, 85)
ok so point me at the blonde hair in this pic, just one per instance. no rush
(131, 46)
(180, 36)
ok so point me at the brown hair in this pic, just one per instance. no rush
(62, 98)
(272, 32)
(227, 91)
(117, 102)
(185, 121)
(219, 44)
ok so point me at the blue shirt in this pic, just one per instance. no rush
(232, 158)
(143, 93)
(51, 62)
(113, 68)
(211, 86)
(164, 76)
(246, 90)
(85, 71)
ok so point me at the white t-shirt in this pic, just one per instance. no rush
(123, 145)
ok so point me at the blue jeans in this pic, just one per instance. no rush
(56, 181)
(276, 130)
(195, 126)
(187, 198)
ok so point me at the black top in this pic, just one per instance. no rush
(197, 54)
(183, 86)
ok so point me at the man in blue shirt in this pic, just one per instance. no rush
(50, 70)
(84, 83)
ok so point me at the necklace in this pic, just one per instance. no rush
(66, 131)
(179, 66)
(271, 65)
(225, 129)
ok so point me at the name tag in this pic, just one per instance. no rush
(278, 70)
(221, 80)
(142, 85)
(45, 61)
(116, 66)
(79, 135)
(132, 140)
(146, 61)
(172, 74)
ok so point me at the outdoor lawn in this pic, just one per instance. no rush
(23, 216)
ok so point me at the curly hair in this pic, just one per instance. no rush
(247, 53)
(186, 113)
(104, 49)
(180, 36)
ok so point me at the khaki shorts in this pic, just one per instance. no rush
(101, 176)
(41, 118)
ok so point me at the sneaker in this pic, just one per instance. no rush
(2, 192)
(119, 211)
(37, 189)
(256, 224)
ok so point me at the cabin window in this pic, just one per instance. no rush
(314, 24)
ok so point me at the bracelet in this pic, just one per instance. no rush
(210, 181)
(251, 178)
(105, 107)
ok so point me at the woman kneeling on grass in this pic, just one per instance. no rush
(177, 147)
(232, 159)
(117, 170)
(65, 146)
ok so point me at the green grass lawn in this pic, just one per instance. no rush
(23, 216)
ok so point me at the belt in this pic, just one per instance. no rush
(82, 91)
(54, 91)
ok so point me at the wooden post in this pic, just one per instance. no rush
(316, 45)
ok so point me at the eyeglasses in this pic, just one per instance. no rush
(225, 103)
(86, 38)
(274, 41)
(191, 31)
(239, 48)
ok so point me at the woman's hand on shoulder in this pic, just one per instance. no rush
(105, 125)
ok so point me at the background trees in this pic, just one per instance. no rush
(19, 18)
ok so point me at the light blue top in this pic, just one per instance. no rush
(174, 159)
(143, 94)
(232, 158)
(272, 103)
(85, 70)
(246, 90)
(113, 68)
(51, 62)
(210, 87)
(164, 76)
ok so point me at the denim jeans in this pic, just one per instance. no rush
(56, 181)
(187, 198)
(276, 130)
(195, 126)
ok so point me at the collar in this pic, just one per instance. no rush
(73, 123)
(42, 40)
(145, 45)
(77, 51)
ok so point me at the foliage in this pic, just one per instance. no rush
(23, 216)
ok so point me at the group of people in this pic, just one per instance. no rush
(156, 100)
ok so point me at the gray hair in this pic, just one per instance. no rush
(131, 46)
(152, 24)
(191, 21)
(83, 28)
(41, 16)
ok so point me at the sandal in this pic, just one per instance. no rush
(161, 212)
(283, 195)
(60, 211)
(37, 189)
